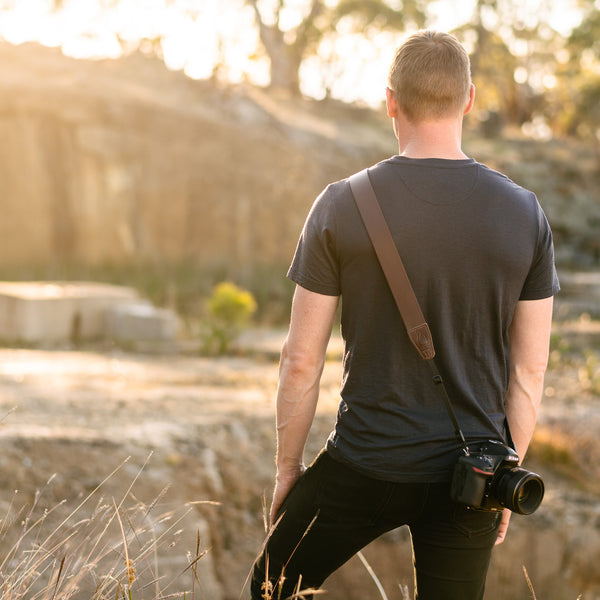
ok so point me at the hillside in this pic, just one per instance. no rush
(124, 160)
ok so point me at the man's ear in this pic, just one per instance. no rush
(471, 101)
(391, 103)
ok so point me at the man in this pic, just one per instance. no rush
(478, 251)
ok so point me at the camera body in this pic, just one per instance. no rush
(488, 478)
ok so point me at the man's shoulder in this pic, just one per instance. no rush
(494, 177)
(340, 193)
(333, 200)
(517, 202)
(342, 186)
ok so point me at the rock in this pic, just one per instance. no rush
(115, 160)
(140, 321)
(50, 312)
(211, 471)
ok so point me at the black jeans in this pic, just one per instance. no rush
(333, 511)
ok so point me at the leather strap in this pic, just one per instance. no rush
(399, 283)
(391, 263)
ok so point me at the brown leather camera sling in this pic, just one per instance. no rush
(399, 283)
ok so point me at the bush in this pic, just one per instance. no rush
(229, 311)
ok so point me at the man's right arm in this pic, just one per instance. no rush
(301, 365)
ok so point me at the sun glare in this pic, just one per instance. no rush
(202, 38)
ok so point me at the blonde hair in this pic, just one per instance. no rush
(431, 76)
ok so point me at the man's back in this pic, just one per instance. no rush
(473, 244)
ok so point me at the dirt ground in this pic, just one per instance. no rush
(204, 427)
(193, 429)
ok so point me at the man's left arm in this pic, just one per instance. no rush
(529, 347)
(300, 368)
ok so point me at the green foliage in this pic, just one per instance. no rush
(380, 14)
(576, 100)
(587, 35)
(512, 59)
(229, 309)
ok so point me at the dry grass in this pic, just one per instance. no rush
(109, 550)
(532, 589)
(99, 550)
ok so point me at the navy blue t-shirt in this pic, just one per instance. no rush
(473, 244)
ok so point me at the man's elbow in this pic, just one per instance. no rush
(533, 371)
(299, 363)
(527, 384)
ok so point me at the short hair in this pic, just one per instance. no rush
(431, 76)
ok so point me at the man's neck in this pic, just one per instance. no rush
(431, 139)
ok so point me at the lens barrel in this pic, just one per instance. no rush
(519, 490)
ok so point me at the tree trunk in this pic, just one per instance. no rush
(285, 70)
(285, 57)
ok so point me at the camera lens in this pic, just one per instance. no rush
(519, 490)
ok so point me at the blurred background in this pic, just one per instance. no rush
(197, 133)
(168, 146)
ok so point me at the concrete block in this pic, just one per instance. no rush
(50, 312)
(140, 321)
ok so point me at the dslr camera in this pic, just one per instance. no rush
(488, 478)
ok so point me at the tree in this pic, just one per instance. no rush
(512, 58)
(581, 73)
(288, 45)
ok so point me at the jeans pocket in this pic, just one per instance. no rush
(474, 523)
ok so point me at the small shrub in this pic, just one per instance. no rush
(229, 311)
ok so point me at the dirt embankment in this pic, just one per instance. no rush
(204, 428)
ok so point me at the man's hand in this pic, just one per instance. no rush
(283, 484)
(503, 526)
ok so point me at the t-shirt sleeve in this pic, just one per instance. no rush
(542, 280)
(315, 265)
